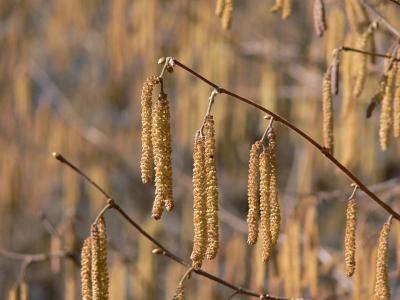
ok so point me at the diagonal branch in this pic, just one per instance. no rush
(162, 250)
(304, 135)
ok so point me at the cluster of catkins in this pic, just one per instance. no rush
(205, 195)
(94, 271)
(224, 10)
(264, 207)
(19, 292)
(382, 285)
(156, 146)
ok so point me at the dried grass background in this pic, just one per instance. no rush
(70, 76)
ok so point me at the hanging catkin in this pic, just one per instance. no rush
(23, 291)
(219, 7)
(99, 271)
(146, 162)
(365, 40)
(319, 17)
(335, 72)
(275, 209)
(350, 237)
(161, 139)
(386, 117)
(212, 189)
(179, 292)
(265, 206)
(86, 262)
(286, 9)
(227, 14)
(381, 287)
(396, 102)
(327, 112)
(199, 204)
(253, 193)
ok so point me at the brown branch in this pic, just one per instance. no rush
(161, 249)
(381, 19)
(344, 48)
(304, 135)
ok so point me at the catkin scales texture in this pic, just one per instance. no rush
(265, 206)
(146, 162)
(212, 189)
(396, 103)
(253, 194)
(161, 139)
(350, 237)
(327, 113)
(386, 117)
(319, 17)
(275, 210)
(382, 286)
(199, 204)
(86, 262)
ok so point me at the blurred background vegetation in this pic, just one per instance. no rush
(70, 81)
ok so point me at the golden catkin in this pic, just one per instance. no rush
(86, 262)
(227, 14)
(365, 40)
(319, 17)
(311, 248)
(327, 113)
(350, 237)
(275, 209)
(179, 292)
(277, 6)
(161, 139)
(219, 7)
(212, 189)
(13, 293)
(265, 206)
(381, 287)
(396, 103)
(253, 193)
(335, 72)
(146, 162)
(386, 117)
(199, 204)
(104, 277)
(23, 291)
(286, 9)
(99, 270)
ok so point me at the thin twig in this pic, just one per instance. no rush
(291, 126)
(345, 48)
(162, 250)
(381, 19)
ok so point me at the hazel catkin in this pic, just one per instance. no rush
(286, 9)
(335, 71)
(212, 189)
(146, 162)
(382, 287)
(199, 204)
(327, 113)
(386, 117)
(319, 17)
(86, 262)
(275, 210)
(277, 6)
(253, 193)
(161, 139)
(265, 206)
(350, 237)
(396, 102)
(219, 7)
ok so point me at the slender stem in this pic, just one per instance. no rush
(63, 160)
(344, 48)
(381, 19)
(304, 135)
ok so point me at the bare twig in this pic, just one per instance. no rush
(304, 135)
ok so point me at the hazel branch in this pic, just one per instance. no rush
(161, 250)
(304, 135)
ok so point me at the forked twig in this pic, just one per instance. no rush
(161, 250)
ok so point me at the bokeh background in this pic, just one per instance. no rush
(70, 79)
